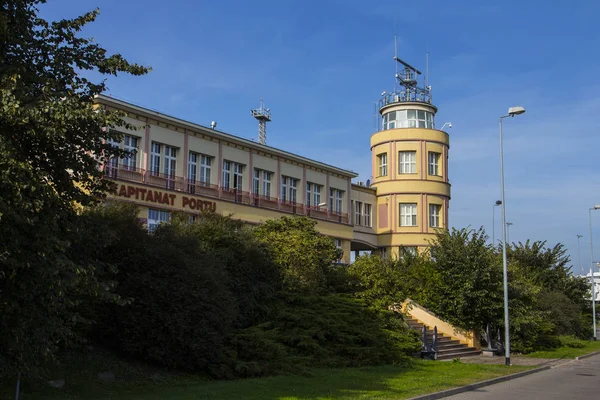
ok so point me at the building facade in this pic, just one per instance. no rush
(176, 165)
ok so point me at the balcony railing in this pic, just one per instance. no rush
(137, 175)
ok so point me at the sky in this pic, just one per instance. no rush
(320, 66)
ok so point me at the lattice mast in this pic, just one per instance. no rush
(263, 115)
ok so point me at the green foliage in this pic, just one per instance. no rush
(303, 255)
(49, 134)
(332, 330)
(379, 281)
(469, 279)
(572, 342)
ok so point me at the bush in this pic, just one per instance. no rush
(327, 331)
(571, 341)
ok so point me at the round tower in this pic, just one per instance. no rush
(410, 167)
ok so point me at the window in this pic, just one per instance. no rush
(358, 213)
(192, 167)
(205, 169)
(155, 158)
(367, 215)
(238, 176)
(170, 160)
(408, 250)
(335, 200)
(156, 217)
(407, 162)
(408, 214)
(338, 243)
(408, 119)
(261, 180)
(226, 174)
(434, 215)
(313, 194)
(130, 144)
(289, 189)
(113, 163)
(382, 164)
(434, 161)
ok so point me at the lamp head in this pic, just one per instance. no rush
(516, 111)
(596, 207)
(498, 202)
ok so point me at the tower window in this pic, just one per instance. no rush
(382, 164)
(407, 163)
(434, 163)
(408, 119)
(408, 214)
(434, 215)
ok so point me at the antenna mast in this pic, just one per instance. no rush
(263, 115)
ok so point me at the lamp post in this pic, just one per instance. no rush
(511, 113)
(496, 204)
(508, 224)
(596, 207)
(313, 207)
(579, 254)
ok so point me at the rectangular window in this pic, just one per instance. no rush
(170, 161)
(157, 217)
(192, 167)
(338, 243)
(266, 187)
(293, 190)
(434, 215)
(407, 162)
(408, 251)
(382, 164)
(238, 176)
(226, 174)
(434, 161)
(367, 215)
(284, 188)
(313, 194)
(335, 200)
(130, 144)
(261, 184)
(155, 158)
(256, 182)
(205, 169)
(408, 214)
(358, 213)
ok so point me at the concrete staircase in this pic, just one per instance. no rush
(447, 348)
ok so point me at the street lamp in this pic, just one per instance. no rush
(511, 113)
(508, 224)
(313, 207)
(496, 204)
(447, 123)
(596, 207)
(579, 254)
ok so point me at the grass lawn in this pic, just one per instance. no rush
(384, 382)
(568, 352)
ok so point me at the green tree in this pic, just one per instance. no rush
(303, 255)
(51, 140)
(470, 279)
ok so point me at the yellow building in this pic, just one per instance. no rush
(177, 165)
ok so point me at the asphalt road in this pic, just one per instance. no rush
(573, 380)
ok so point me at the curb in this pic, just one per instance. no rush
(587, 355)
(462, 389)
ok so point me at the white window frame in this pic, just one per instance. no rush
(266, 184)
(358, 214)
(413, 118)
(434, 163)
(256, 182)
(435, 211)
(408, 214)
(382, 164)
(170, 161)
(155, 152)
(284, 188)
(192, 167)
(336, 200)
(261, 183)
(130, 144)
(407, 162)
(156, 217)
(238, 177)
(367, 214)
(205, 169)
(226, 174)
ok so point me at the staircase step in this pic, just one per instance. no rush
(451, 356)
(449, 347)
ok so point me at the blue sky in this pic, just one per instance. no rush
(321, 66)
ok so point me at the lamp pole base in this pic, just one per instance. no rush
(506, 360)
